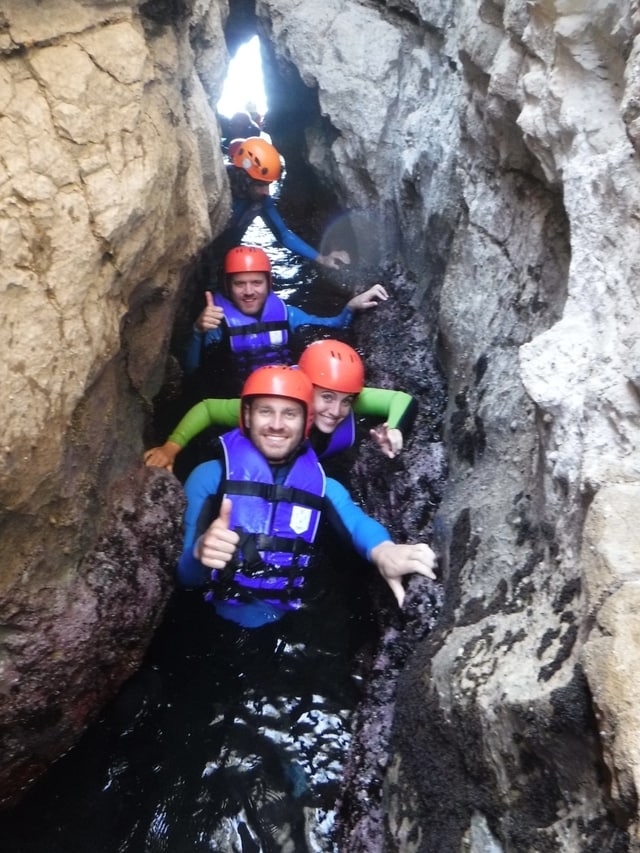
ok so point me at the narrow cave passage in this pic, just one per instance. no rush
(197, 755)
(496, 148)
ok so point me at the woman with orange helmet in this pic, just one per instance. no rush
(255, 165)
(337, 374)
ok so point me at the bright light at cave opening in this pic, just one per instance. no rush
(244, 84)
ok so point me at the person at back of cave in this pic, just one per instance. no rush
(240, 126)
(337, 374)
(255, 165)
(248, 326)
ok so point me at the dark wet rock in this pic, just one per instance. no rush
(69, 646)
(361, 808)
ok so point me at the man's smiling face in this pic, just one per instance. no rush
(249, 291)
(275, 425)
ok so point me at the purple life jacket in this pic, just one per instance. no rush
(342, 438)
(277, 524)
(256, 341)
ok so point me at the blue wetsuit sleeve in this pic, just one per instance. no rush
(201, 486)
(298, 317)
(351, 522)
(196, 343)
(284, 235)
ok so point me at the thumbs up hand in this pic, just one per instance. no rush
(211, 317)
(218, 543)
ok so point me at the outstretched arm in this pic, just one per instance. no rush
(372, 541)
(294, 243)
(284, 235)
(210, 412)
(370, 298)
(362, 302)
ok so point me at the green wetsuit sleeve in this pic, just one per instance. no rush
(211, 412)
(397, 408)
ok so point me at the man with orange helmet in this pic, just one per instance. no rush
(255, 165)
(251, 323)
(337, 374)
(268, 495)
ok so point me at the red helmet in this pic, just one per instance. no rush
(333, 365)
(259, 159)
(233, 147)
(280, 380)
(247, 259)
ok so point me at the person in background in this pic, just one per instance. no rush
(239, 126)
(233, 147)
(255, 165)
(337, 374)
(267, 498)
(251, 325)
(259, 119)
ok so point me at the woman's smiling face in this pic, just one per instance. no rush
(330, 407)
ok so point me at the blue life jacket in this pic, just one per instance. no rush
(256, 341)
(277, 524)
(342, 438)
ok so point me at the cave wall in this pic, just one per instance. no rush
(493, 147)
(111, 182)
(489, 149)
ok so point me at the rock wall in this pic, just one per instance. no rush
(488, 150)
(111, 181)
(492, 146)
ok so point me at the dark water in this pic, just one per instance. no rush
(226, 739)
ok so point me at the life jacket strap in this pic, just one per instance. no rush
(259, 326)
(273, 493)
(254, 566)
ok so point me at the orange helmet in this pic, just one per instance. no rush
(280, 380)
(333, 365)
(233, 147)
(247, 259)
(259, 159)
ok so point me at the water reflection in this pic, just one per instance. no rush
(225, 740)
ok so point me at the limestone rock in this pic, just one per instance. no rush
(495, 146)
(111, 183)
(490, 151)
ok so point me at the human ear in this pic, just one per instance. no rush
(246, 416)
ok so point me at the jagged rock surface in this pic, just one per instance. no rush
(111, 182)
(490, 149)
(495, 146)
